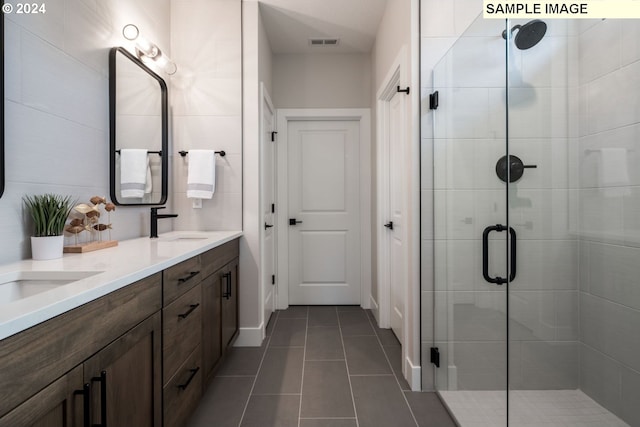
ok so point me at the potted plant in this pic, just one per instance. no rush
(49, 213)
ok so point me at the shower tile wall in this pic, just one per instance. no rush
(609, 214)
(469, 139)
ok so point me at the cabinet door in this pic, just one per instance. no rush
(126, 379)
(211, 332)
(229, 286)
(58, 405)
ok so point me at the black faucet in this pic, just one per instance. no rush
(154, 220)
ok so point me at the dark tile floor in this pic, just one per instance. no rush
(320, 366)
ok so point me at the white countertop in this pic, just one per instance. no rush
(120, 266)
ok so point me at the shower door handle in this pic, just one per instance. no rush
(485, 254)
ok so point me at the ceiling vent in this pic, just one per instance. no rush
(324, 42)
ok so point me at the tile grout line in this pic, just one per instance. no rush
(346, 364)
(266, 348)
(304, 355)
(404, 396)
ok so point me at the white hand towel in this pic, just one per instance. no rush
(134, 164)
(201, 179)
(148, 186)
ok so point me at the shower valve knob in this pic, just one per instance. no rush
(516, 168)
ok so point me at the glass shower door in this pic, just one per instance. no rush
(470, 226)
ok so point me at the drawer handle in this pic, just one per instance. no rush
(102, 379)
(193, 374)
(189, 277)
(86, 403)
(191, 308)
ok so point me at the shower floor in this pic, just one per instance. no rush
(536, 408)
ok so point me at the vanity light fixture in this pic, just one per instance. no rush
(148, 51)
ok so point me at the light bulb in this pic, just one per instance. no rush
(130, 32)
(147, 51)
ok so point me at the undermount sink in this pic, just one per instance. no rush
(183, 238)
(24, 284)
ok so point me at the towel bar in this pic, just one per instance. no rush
(159, 153)
(184, 153)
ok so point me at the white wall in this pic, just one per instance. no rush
(56, 108)
(207, 107)
(398, 29)
(265, 57)
(251, 324)
(321, 80)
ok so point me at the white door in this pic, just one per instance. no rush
(268, 191)
(324, 201)
(397, 191)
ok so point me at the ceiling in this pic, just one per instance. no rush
(291, 23)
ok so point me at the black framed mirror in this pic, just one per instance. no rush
(2, 105)
(138, 132)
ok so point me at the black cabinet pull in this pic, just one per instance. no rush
(189, 277)
(227, 291)
(86, 404)
(192, 307)
(102, 379)
(193, 374)
(389, 225)
(267, 226)
(293, 221)
(485, 254)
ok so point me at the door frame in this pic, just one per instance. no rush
(265, 98)
(284, 116)
(396, 76)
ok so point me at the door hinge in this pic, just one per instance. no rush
(273, 279)
(273, 136)
(433, 101)
(435, 356)
(273, 208)
(407, 90)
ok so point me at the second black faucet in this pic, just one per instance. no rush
(154, 220)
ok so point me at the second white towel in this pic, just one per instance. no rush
(134, 173)
(201, 179)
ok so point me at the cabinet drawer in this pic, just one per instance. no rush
(180, 278)
(182, 393)
(215, 258)
(181, 330)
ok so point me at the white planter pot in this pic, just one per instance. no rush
(49, 247)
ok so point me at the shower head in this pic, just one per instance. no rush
(529, 34)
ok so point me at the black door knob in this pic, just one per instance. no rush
(293, 221)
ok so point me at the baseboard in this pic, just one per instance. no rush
(414, 375)
(375, 309)
(250, 337)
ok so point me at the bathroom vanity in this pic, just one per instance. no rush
(134, 351)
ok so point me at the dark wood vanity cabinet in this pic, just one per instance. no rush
(137, 357)
(220, 305)
(59, 405)
(125, 379)
(47, 371)
(181, 331)
(229, 315)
